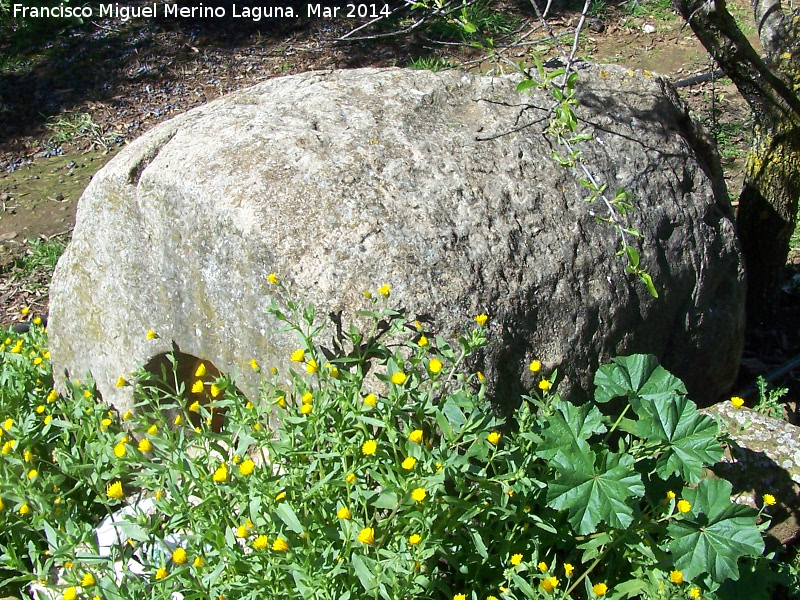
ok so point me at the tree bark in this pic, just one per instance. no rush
(769, 199)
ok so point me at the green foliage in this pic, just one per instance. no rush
(430, 63)
(769, 399)
(467, 22)
(77, 126)
(36, 264)
(388, 476)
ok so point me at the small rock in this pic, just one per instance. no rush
(648, 28)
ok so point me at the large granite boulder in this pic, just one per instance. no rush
(342, 181)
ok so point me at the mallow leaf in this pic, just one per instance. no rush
(715, 534)
(568, 428)
(635, 376)
(594, 492)
(690, 437)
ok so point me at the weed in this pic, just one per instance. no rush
(596, 8)
(37, 263)
(69, 128)
(430, 63)
(654, 9)
(478, 17)
(768, 399)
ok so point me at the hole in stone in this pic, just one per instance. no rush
(169, 378)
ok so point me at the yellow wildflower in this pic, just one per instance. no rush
(542, 566)
(40, 409)
(247, 467)
(280, 545)
(516, 559)
(145, 445)
(370, 400)
(32, 473)
(121, 382)
(88, 580)
(343, 513)
(367, 536)
(409, 463)
(600, 589)
(298, 355)
(119, 450)
(178, 420)
(280, 496)
(350, 478)
(369, 447)
(281, 401)
(27, 455)
(273, 278)
(415, 539)
(311, 366)
(535, 366)
(198, 561)
(568, 569)
(151, 335)
(415, 436)
(435, 365)
(694, 593)
(197, 387)
(419, 494)
(241, 531)
(8, 424)
(670, 495)
(684, 506)
(544, 385)
(201, 370)
(422, 342)
(399, 378)
(221, 474)
(737, 402)
(384, 290)
(161, 573)
(306, 409)
(70, 593)
(493, 437)
(179, 556)
(676, 577)
(47, 419)
(459, 597)
(8, 446)
(128, 414)
(153, 429)
(215, 391)
(24, 509)
(549, 584)
(260, 542)
(481, 319)
(194, 406)
(114, 490)
(255, 366)
(52, 396)
(307, 398)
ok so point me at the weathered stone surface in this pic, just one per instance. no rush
(340, 182)
(763, 458)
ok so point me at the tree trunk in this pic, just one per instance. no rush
(771, 86)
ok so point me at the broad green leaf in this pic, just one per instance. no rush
(721, 533)
(690, 437)
(569, 425)
(365, 570)
(386, 500)
(480, 547)
(525, 84)
(593, 493)
(638, 375)
(288, 516)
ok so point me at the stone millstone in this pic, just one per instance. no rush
(343, 181)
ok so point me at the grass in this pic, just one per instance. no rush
(653, 9)
(69, 128)
(430, 63)
(36, 265)
(486, 19)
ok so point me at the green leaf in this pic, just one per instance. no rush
(365, 570)
(480, 547)
(648, 281)
(594, 493)
(386, 500)
(526, 84)
(288, 516)
(722, 533)
(690, 437)
(568, 427)
(638, 375)
(633, 256)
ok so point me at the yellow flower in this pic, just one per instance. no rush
(121, 381)
(737, 402)
(422, 342)
(88, 580)
(334, 372)
(544, 385)
(255, 366)
(161, 573)
(694, 593)
(367, 536)
(215, 391)
(369, 447)
(194, 406)
(119, 450)
(24, 509)
(435, 365)
(419, 494)
(128, 414)
(114, 491)
(151, 335)
(306, 408)
(384, 290)
(684, 506)
(769, 499)
(367, 294)
(159, 494)
(40, 409)
(241, 531)
(87, 394)
(399, 378)
(280, 545)
(51, 397)
(481, 319)
(280, 401)
(311, 366)
(32, 473)
(370, 400)
(516, 559)
(415, 539)
(298, 355)
(459, 597)
(27, 455)
(676, 577)
(350, 478)
(600, 589)
(70, 593)
(415, 436)
(47, 419)
(201, 370)
(221, 474)
(1, 504)
(8, 424)
(343, 513)
(105, 422)
(493, 437)
(542, 566)
(280, 496)
(153, 429)
(670, 495)
(491, 597)
(481, 376)
(145, 445)
(25, 310)
(568, 569)
(272, 278)
(179, 556)
(549, 584)
(178, 420)
(409, 463)
(247, 467)
(260, 542)
(8, 446)
(307, 398)
(198, 561)
(535, 366)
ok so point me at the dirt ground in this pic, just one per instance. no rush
(69, 102)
